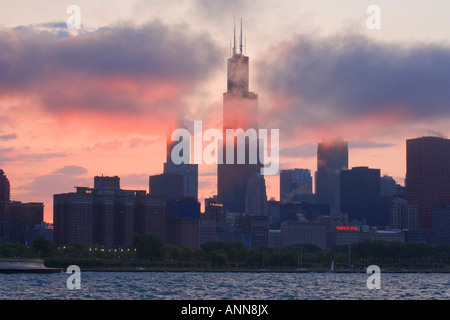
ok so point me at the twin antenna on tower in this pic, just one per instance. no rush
(240, 41)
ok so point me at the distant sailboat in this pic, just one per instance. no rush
(300, 260)
(332, 266)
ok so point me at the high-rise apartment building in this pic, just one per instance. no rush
(240, 111)
(102, 215)
(73, 217)
(150, 214)
(427, 176)
(332, 158)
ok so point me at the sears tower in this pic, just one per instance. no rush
(240, 111)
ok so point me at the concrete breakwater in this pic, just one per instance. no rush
(19, 265)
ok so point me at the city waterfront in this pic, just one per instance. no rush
(224, 286)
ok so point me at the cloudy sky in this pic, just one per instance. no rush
(99, 100)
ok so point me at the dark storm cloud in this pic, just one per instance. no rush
(326, 80)
(110, 68)
(224, 9)
(153, 51)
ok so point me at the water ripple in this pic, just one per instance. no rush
(224, 286)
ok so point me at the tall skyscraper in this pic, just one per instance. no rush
(427, 176)
(5, 196)
(187, 170)
(294, 182)
(256, 197)
(332, 158)
(361, 196)
(240, 111)
(182, 222)
(169, 185)
(388, 186)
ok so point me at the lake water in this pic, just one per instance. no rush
(224, 286)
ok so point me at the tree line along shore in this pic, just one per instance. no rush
(148, 252)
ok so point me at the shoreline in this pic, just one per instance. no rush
(38, 266)
(21, 265)
(201, 270)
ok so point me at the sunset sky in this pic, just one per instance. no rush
(79, 103)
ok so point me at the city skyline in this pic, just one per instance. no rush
(74, 106)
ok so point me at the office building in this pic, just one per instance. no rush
(259, 231)
(441, 226)
(388, 186)
(207, 227)
(403, 215)
(188, 171)
(224, 220)
(252, 231)
(182, 222)
(43, 229)
(274, 238)
(382, 235)
(332, 158)
(295, 183)
(334, 221)
(361, 196)
(296, 232)
(256, 196)
(343, 235)
(23, 217)
(169, 185)
(212, 221)
(273, 213)
(303, 211)
(240, 111)
(427, 176)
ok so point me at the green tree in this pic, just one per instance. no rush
(13, 249)
(45, 248)
(199, 255)
(219, 258)
(148, 246)
(175, 253)
(185, 253)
